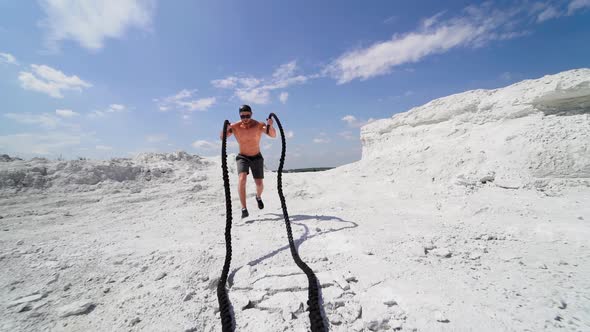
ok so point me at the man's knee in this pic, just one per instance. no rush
(243, 177)
(258, 182)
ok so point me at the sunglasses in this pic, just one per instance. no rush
(245, 116)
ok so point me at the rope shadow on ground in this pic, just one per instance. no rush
(305, 236)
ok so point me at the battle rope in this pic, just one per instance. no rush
(315, 314)
(222, 297)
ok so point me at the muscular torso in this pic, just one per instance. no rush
(248, 136)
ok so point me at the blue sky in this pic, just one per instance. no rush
(113, 78)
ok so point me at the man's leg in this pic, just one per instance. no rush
(259, 187)
(242, 188)
(258, 174)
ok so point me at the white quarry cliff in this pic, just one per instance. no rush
(535, 133)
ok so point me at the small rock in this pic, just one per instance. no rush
(134, 321)
(398, 313)
(143, 269)
(76, 308)
(443, 253)
(340, 281)
(428, 247)
(350, 278)
(25, 307)
(336, 319)
(390, 302)
(188, 296)
(67, 287)
(474, 256)
(20, 243)
(562, 262)
(160, 276)
(54, 279)
(440, 317)
(376, 325)
(395, 324)
(106, 290)
(562, 304)
(543, 267)
(558, 318)
(580, 218)
(239, 300)
(26, 299)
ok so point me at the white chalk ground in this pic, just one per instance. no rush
(471, 213)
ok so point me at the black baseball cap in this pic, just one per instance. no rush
(245, 108)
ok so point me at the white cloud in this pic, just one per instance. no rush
(184, 101)
(548, 13)
(206, 145)
(257, 90)
(285, 71)
(45, 119)
(390, 19)
(544, 11)
(289, 134)
(52, 143)
(283, 97)
(113, 108)
(577, 5)
(8, 58)
(475, 28)
(352, 121)
(116, 108)
(50, 81)
(320, 140)
(225, 83)
(90, 22)
(232, 81)
(104, 147)
(66, 113)
(156, 138)
(254, 96)
(267, 146)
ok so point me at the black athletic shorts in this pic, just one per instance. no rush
(256, 163)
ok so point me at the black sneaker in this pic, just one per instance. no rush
(260, 204)
(245, 213)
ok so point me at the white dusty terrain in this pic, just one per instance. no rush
(470, 213)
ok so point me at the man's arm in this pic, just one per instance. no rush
(229, 132)
(269, 129)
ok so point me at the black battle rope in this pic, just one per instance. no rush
(313, 301)
(222, 297)
(315, 315)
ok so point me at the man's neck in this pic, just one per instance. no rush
(247, 124)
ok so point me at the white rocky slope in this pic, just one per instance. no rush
(532, 134)
(410, 238)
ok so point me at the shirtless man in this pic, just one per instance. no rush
(248, 133)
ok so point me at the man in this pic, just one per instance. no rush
(248, 133)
